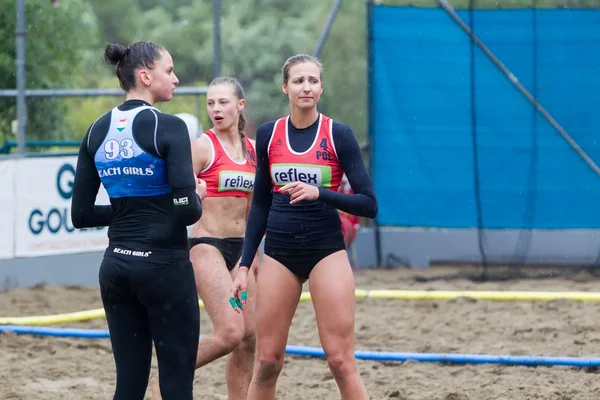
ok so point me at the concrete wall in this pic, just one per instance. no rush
(414, 248)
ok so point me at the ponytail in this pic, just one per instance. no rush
(241, 129)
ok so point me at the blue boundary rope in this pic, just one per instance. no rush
(360, 354)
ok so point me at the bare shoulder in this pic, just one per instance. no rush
(202, 150)
(202, 144)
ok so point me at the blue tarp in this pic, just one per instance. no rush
(423, 137)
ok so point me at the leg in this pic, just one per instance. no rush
(277, 294)
(213, 283)
(238, 372)
(349, 232)
(174, 316)
(352, 253)
(346, 230)
(354, 258)
(332, 292)
(129, 331)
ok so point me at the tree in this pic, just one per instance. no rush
(116, 22)
(182, 30)
(185, 33)
(171, 6)
(258, 36)
(57, 48)
(462, 4)
(344, 58)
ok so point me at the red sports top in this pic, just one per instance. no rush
(318, 166)
(226, 177)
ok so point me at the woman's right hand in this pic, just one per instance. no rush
(239, 290)
(201, 188)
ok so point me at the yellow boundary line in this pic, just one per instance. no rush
(359, 293)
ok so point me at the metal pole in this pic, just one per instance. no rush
(327, 28)
(448, 8)
(475, 143)
(524, 238)
(92, 92)
(21, 82)
(216, 38)
(198, 106)
(370, 120)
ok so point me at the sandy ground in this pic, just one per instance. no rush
(50, 368)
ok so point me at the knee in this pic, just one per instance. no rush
(246, 349)
(269, 366)
(341, 364)
(231, 335)
(248, 344)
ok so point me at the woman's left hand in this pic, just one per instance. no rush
(300, 191)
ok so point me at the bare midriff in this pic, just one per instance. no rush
(221, 217)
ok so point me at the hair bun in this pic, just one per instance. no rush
(114, 53)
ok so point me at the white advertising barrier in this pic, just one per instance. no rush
(7, 208)
(44, 187)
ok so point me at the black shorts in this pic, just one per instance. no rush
(301, 257)
(230, 248)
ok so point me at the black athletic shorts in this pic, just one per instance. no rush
(230, 248)
(302, 256)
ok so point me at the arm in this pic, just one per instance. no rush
(261, 199)
(248, 205)
(251, 194)
(363, 202)
(201, 154)
(175, 149)
(84, 212)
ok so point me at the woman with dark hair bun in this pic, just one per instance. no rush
(143, 159)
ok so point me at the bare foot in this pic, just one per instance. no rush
(155, 387)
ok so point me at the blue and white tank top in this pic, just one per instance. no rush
(125, 169)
